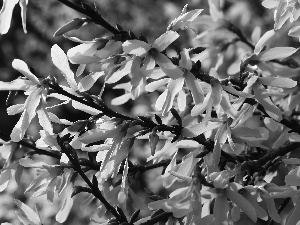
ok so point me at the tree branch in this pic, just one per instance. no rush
(96, 17)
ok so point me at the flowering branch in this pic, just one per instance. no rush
(72, 156)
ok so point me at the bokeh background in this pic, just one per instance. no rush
(149, 17)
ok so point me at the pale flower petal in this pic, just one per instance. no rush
(22, 67)
(165, 40)
(167, 66)
(60, 60)
(17, 84)
(23, 5)
(30, 106)
(6, 14)
(136, 47)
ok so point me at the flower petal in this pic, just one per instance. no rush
(30, 106)
(263, 41)
(136, 47)
(22, 67)
(88, 81)
(23, 5)
(167, 66)
(31, 215)
(6, 14)
(60, 60)
(17, 84)
(83, 53)
(165, 40)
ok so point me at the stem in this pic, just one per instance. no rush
(28, 145)
(256, 165)
(95, 189)
(97, 18)
(240, 34)
(107, 111)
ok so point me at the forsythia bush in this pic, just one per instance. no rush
(223, 126)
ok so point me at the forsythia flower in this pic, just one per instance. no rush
(152, 53)
(35, 102)
(6, 14)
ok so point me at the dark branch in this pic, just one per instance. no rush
(96, 17)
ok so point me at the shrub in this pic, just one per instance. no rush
(218, 133)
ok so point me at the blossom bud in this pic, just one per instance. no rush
(72, 25)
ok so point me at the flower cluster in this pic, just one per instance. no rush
(219, 134)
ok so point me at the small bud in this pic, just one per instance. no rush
(72, 25)
(135, 216)
(153, 139)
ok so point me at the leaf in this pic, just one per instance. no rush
(162, 42)
(276, 53)
(60, 60)
(263, 41)
(244, 205)
(30, 215)
(278, 82)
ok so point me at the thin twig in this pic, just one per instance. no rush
(96, 18)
